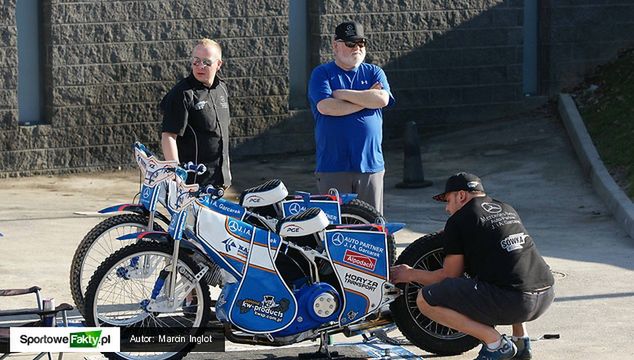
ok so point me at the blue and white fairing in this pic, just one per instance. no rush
(225, 207)
(259, 302)
(360, 261)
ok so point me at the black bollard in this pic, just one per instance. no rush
(413, 176)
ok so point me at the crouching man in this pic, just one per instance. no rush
(507, 281)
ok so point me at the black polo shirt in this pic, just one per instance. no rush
(496, 246)
(200, 116)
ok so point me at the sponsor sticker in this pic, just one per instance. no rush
(355, 258)
(267, 308)
(360, 282)
(513, 242)
(292, 228)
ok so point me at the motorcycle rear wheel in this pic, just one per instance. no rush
(426, 253)
(360, 212)
(99, 243)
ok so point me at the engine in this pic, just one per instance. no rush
(319, 303)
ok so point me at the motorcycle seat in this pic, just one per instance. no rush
(304, 223)
(269, 193)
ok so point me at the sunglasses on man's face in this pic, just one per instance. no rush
(352, 44)
(196, 61)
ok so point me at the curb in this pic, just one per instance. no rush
(617, 202)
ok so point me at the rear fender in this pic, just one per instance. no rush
(394, 227)
(134, 208)
(390, 228)
(346, 198)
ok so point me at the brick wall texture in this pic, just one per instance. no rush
(108, 63)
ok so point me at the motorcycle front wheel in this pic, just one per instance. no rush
(426, 253)
(122, 287)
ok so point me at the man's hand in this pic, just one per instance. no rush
(401, 274)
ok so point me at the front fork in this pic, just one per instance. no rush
(170, 302)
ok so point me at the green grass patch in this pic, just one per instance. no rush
(606, 103)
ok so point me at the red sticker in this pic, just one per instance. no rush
(360, 260)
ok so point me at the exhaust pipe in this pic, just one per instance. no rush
(382, 320)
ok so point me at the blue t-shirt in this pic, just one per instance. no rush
(349, 143)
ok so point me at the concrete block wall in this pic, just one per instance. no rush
(108, 64)
(578, 35)
(8, 82)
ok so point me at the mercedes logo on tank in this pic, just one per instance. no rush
(295, 208)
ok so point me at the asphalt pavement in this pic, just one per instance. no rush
(526, 161)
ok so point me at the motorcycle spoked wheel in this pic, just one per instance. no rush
(426, 253)
(360, 212)
(111, 299)
(99, 243)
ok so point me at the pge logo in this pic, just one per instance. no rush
(295, 208)
(255, 199)
(337, 239)
(293, 228)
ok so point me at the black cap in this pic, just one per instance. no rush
(349, 31)
(461, 181)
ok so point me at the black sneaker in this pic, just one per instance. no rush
(523, 349)
(507, 350)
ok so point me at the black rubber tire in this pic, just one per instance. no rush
(357, 210)
(144, 246)
(426, 253)
(78, 276)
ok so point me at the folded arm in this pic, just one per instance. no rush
(373, 98)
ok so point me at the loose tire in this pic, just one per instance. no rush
(116, 294)
(360, 212)
(101, 242)
(426, 253)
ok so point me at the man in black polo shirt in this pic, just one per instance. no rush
(508, 281)
(196, 118)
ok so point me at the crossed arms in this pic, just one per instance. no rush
(345, 102)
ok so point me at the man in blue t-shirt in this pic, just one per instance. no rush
(346, 97)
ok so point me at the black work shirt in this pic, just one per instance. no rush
(496, 246)
(199, 115)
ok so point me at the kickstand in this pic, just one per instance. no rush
(323, 352)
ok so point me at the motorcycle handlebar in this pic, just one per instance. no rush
(215, 193)
(197, 168)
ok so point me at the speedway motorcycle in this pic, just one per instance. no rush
(271, 200)
(305, 280)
